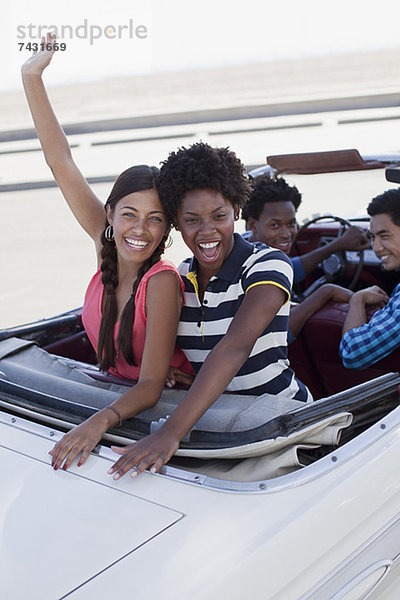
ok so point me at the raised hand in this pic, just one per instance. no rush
(86, 207)
(40, 59)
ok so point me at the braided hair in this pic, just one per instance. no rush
(134, 179)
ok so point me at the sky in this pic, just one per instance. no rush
(131, 37)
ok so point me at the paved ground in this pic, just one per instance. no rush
(49, 259)
(244, 85)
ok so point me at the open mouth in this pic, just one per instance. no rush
(284, 247)
(136, 244)
(209, 251)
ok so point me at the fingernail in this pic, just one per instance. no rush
(110, 471)
(64, 467)
(55, 467)
(134, 474)
(116, 476)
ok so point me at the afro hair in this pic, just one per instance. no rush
(200, 167)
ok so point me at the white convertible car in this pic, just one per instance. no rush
(290, 503)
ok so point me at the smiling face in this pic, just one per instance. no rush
(139, 224)
(385, 236)
(276, 225)
(206, 221)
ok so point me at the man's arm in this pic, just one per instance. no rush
(353, 239)
(300, 313)
(357, 313)
(366, 344)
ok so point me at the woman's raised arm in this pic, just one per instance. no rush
(86, 207)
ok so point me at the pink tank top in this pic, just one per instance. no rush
(91, 317)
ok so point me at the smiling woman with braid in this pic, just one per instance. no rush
(133, 302)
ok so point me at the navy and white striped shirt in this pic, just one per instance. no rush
(203, 325)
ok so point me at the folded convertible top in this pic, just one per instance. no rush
(36, 380)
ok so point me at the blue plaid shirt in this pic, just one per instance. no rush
(365, 345)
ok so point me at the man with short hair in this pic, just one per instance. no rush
(270, 215)
(364, 343)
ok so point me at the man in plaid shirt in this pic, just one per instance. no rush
(364, 343)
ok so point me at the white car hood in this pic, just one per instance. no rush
(49, 519)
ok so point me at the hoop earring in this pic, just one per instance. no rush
(168, 242)
(109, 234)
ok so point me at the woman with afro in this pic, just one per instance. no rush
(233, 326)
